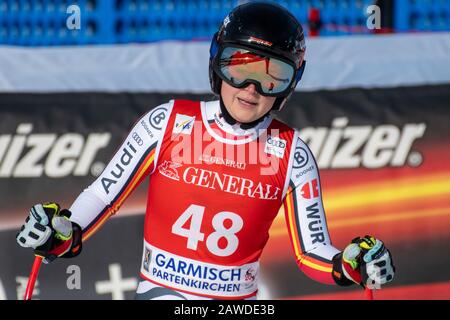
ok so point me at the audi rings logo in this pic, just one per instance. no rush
(157, 117)
(279, 143)
(301, 158)
(275, 146)
(137, 138)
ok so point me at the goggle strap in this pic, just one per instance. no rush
(300, 71)
(214, 48)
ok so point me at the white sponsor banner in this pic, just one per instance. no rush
(198, 277)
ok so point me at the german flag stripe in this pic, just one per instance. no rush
(313, 264)
(316, 262)
(137, 175)
(122, 196)
(294, 230)
(293, 210)
(309, 260)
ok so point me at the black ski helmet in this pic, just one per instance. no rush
(265, 27)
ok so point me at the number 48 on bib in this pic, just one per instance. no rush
(194, 234)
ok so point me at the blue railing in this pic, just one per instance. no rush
(422, 15)
(43, 22)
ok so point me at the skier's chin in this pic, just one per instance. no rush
(244, 115)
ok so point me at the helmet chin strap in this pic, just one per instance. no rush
(230, 120)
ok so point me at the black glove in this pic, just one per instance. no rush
(49, 231)
(365, 261)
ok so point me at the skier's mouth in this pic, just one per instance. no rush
(246, 103)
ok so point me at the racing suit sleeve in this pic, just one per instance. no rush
(133, 161)
(305, 215)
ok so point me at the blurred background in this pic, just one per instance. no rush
(373, 105)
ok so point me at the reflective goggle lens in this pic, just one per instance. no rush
(239, 66)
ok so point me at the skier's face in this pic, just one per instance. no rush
(245, 104)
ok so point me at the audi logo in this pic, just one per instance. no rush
(137, 138)
(275, 143)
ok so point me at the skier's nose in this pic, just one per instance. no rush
(251, 88)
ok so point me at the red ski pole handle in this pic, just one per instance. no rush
(368, 293)
(33, 276)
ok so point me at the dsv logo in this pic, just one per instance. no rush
(137, 138)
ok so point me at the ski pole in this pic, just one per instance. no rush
(33, 276)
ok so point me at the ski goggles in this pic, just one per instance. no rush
(239, 67)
